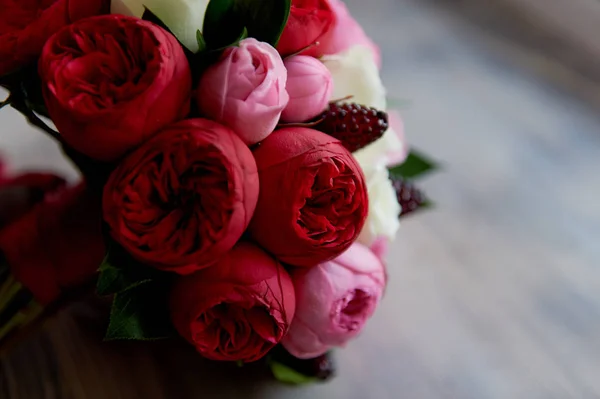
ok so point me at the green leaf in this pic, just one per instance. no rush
(226, 20)
(416, 165)
(113, 280)
(201, 41)
(265, 19)
(243, 35)
(288, 375)
(222, 25)
(120, 272)
(140, 313)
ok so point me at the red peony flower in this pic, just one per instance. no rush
(237, 310)
(58, 244)
(111, 82)
(183, 199)
(309, 23)
(25, 25)
(313, 199)
(18, 195)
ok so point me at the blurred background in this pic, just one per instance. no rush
(494, 294)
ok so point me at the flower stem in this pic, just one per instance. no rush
(33, 119)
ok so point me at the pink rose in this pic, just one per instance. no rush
(309, 86)
(397, 153)
(245, 90)
(334, 301)
(346, 33)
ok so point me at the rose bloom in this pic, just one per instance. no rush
(310, 21)
(237, 310)
(19, 194)
(309, 86)
(111, 82)
(25, 25)
(346, 33)
(245, 90)
(313, 198)
(334, 301)
(57, 243)
(183, 17)
(184, 198)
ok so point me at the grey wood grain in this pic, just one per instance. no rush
(494, 294)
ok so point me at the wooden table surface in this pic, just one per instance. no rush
(494, 294)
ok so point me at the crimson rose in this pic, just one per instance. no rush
(237, 310)
(313, 199)
(25, 25)
(111, 82)
(184, 198)
(309, 22)
(57, 244)
(20, 193)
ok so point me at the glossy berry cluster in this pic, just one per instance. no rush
(409, 197)
(356, 126)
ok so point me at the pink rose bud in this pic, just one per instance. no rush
(309, 86)
(334, 301)
(245, 90)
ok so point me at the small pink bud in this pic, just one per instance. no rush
(245, 90)
(309, 86)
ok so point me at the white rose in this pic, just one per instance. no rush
(355, 74)
(183, 17)
(384, 209)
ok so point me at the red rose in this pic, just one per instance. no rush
(58, 244)
(309, 22)
(313, 199)
(183, 199)
(237, 310)
(25, 25)
(19, 194)
(111, 82)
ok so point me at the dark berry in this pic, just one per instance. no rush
(409, 197)
(354, 125)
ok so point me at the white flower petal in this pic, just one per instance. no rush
(355, 74)
(183, 17)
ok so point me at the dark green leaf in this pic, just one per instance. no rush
(140, 313)
(264, 19)
(288, 375)
(120, 272)
(113, 280)
(222, 25)
(243, 35)
(416, 165)
(201, 41)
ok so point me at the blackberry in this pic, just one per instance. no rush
(356, 126)
(409, 197)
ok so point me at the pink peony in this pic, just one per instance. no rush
(347, 33)
(245, 90)
(309, 86)
(334, 301)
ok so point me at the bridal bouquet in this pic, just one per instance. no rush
(242, 175)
